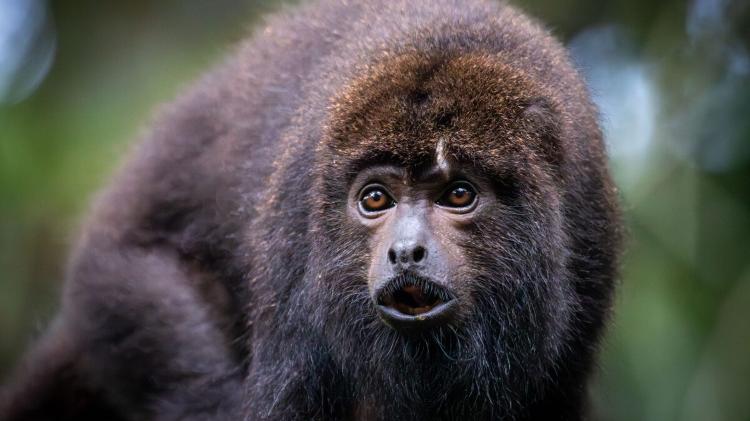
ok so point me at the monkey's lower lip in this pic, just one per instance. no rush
(411, 301)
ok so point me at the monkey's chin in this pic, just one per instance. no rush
(412, 302)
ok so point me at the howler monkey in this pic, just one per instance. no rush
(372, 210)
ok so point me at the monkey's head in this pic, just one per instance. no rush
(463, 203)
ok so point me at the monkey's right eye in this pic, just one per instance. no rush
(375, 199)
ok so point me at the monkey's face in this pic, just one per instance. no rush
(416, 223)
(442, 187)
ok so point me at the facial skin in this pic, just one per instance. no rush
(415, 221)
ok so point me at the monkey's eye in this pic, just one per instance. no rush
(375, 199)
(460, 195)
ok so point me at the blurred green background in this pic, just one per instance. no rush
(80, 79)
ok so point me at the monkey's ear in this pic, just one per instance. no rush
(50, 384)
(542, 122)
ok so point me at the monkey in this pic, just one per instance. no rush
(370, 210)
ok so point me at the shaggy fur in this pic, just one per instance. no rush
(220, 276)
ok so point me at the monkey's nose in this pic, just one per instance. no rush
(406, 253)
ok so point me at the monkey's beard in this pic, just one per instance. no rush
(488, 363)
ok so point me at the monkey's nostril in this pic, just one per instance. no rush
(406, 256)
(419, 254)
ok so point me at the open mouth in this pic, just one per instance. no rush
(409, 297)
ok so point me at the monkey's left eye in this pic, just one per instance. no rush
(460, 195)
(375, 199)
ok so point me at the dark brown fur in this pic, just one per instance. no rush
(219, 277)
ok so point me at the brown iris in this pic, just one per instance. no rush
(459, 195)
(375, 199)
